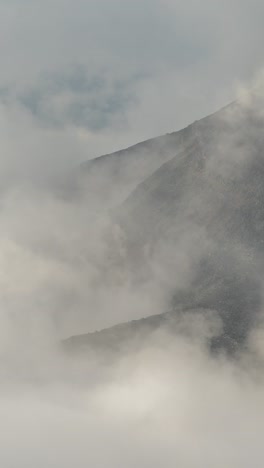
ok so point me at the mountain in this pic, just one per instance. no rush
(195, 225)
(107, 180)
(150, 331)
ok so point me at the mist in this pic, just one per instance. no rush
(164, 400)
(131, 264)
(169, 402)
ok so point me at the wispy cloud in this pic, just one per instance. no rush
(75, 98)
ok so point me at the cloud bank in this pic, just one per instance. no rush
(76, 83)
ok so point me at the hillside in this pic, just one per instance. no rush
(195, 226)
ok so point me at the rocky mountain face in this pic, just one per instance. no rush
(194, 218)
(107, 180)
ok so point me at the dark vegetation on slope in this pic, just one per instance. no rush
(205, 202)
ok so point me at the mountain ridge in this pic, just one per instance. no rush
(111, 177)
(195, 225)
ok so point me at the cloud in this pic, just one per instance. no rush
(141, 56)
(79, 79)
(168, 403)
(75, 99)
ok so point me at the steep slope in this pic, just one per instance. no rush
(197, 223)
(198, 325)
(194, 228)
(107, 180)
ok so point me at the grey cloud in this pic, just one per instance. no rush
(169, 404)
(76, 97)
(190, 52)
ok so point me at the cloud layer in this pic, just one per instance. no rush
(79, 79)
(118, 72)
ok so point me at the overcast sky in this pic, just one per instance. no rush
(80, 78)
(83, 77)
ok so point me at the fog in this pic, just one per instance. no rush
(170, 403)
(167, 401)
(85, 247)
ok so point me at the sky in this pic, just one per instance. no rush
(80, 78)
(90, 77)
(83, 78)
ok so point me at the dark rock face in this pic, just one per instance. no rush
(199, 217)
(208, 201)
(109, 179)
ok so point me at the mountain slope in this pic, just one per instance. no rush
(202, 215)
(198, 325)
(194, 228)
(107, 180)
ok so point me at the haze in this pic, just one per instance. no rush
(137, 238)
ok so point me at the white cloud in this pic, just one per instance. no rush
(163, 406)
(185, 58)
